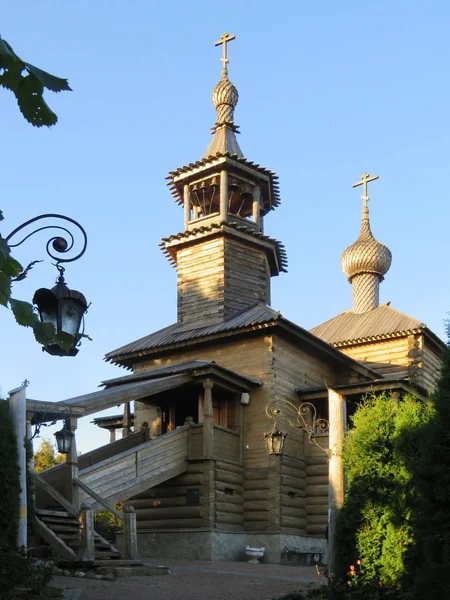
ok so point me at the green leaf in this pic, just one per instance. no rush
(44, 333)
(32, 104)
(9, 266)
(1, 215)
(5, 289)
(23, 312)
(65, 340)
(4, 248)
(55, 84)
(28, 89)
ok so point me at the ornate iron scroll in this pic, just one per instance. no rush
(302, 417)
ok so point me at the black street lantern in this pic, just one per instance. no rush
(64, 309)
(61, 307)
(64, 439)
(274, 440)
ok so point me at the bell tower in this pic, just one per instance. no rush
(223, 258)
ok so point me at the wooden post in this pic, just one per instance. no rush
(112, 435)
(187, 206)
(126, 419)
(223, 195)
(257, 205)
(208, 424)
(72, 461)
(17, 411)
(87, 541)
(335, 467)
(130, 550)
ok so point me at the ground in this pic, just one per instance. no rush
(195, 580)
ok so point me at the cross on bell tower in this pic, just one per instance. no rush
(225, 38)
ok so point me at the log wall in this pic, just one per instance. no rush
(247, 276)
(432, 366)
(317, 490)
(293, 515)
(166, 507)
(218, 276)
(387, 357)
(228, 496)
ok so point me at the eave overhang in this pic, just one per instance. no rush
(275, 251)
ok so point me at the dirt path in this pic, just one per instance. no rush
(196, 580)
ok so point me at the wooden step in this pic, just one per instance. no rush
(65, 520)
(56, 527)
(53, 513)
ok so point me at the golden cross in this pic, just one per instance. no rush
(365, 179)
(223, 40)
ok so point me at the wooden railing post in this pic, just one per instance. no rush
(130, 550)
(87, 541)
(208, 423)
(17, 411)
(72, 461)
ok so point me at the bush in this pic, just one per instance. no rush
(429, 559)
(375, 525)
(107, 524)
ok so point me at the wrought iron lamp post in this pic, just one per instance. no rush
(60, 306)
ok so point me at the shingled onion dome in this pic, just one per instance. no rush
(365, 264)
(225, 98)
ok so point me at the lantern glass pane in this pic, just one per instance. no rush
(49, 316)
(71, 313)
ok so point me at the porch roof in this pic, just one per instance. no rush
(139, 386)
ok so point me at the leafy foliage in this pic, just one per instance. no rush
(375, 525)
(27, 83)
(428, 572)
(47, 456)
(9, 510)
(107, 524)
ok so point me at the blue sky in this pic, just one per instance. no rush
(327, 91)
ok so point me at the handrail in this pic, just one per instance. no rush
(55, 494)
(98, 498)
(157, 440)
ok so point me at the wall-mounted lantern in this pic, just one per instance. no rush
(274, 440)
(64, 439)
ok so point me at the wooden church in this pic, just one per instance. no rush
(195, 466)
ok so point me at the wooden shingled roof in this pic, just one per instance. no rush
(256, 317)
(193, 233)
(383, 322)
(214, 160)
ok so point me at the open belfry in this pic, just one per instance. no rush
(202, 464)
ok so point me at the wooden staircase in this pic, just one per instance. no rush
(135, 470)
(62, 532)
(106, 477)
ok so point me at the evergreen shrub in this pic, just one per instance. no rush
(376, 524)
